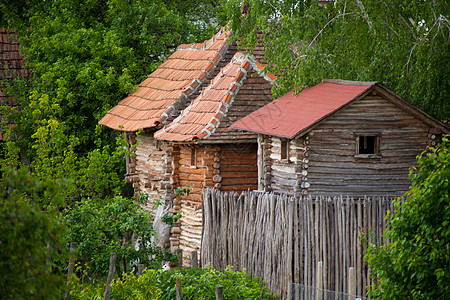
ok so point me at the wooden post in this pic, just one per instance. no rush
(194, 259)
(112, 268)
(141, 268)
(290, 249)
(73, 246)
(319, 295)
(351, 283)
(179, 253)
(219, 292)
(178, 288)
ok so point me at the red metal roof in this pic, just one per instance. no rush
(174, 80)
(203, 116)
(289, 115)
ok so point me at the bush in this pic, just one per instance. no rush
(196, 284)
(416, 265)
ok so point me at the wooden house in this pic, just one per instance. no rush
(157, 101)
(206, 153)
(340, 137)
(192, 112)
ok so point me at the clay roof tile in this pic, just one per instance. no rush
(202, 117)
(177, 77)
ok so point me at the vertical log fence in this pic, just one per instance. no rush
(282, 238)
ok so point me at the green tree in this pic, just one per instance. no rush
(84, 56)
(416, 264)
(402, 44)
(80, 194)
(32, 253)
(88, 55)
(120, 225)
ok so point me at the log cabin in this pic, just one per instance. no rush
(165, 101)
(158, 100)
(206, 153)
(340, 137)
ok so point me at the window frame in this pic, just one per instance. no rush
(376, 147)
(284, 149)
(194, 156)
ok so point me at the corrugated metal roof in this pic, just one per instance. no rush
(174, 80)
(289, 115)
(203, 116)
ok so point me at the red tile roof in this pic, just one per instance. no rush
(290, 115)
(161, 95)
(12, 65)
(203, 116)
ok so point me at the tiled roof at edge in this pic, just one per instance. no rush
(11, 60)
(203, 116)
(12, 66)
(166, 90)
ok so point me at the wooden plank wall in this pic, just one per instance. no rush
(238, 167)
(282, 238)
(254, 93)
(333, 168)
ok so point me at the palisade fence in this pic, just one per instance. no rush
(282, 238)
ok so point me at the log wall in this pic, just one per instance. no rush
(150, 166)
(334, 167)
(288, 176)
(223, 167)
(193, 168)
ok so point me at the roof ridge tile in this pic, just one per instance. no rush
(225, 100)
(179, 77)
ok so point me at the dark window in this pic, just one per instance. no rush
(284, 149)
(367, 144)
(193, 157)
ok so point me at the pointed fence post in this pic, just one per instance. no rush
(319, 295)
(141, 268)
(179, 253)
(178, 288)
(112, 269)
(351, 283)
(73, 246)
(194, 259)
(219, 292)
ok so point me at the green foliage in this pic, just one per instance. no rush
(31, 242)
(159, 284)
(87, 56)
(416, 265)
(117, 225)
(81, 192)
(201, 284)
(62, 168)
(89, 290)
(402, 44)
(144, 287)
